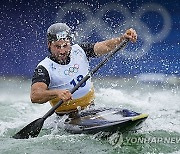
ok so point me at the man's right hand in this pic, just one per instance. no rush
(41, 94)
(65, 95)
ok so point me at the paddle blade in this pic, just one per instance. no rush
(31, 130)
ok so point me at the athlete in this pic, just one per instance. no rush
(65, 66)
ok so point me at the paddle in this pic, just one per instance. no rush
(33, 129)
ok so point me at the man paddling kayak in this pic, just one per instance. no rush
(66, 65)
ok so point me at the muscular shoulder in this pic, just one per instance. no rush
(89, 49)
(41, 75)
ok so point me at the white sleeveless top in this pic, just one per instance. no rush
(67, 76)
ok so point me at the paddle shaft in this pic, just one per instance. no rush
(120, 46)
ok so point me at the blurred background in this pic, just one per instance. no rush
(23, 26)
(144, 77)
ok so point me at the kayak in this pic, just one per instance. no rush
(104, 120)
(92, 121)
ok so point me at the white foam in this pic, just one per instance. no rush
(161, 105)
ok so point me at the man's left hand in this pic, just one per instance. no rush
(131, 35)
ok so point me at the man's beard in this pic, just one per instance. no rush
(62, 61)
(63, 58)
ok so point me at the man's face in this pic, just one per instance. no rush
(60, 49)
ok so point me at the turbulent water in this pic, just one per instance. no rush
(160, 133)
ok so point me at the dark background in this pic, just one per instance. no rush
(23, 26)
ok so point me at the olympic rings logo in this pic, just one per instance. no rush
(72, 70)
(95, 22)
